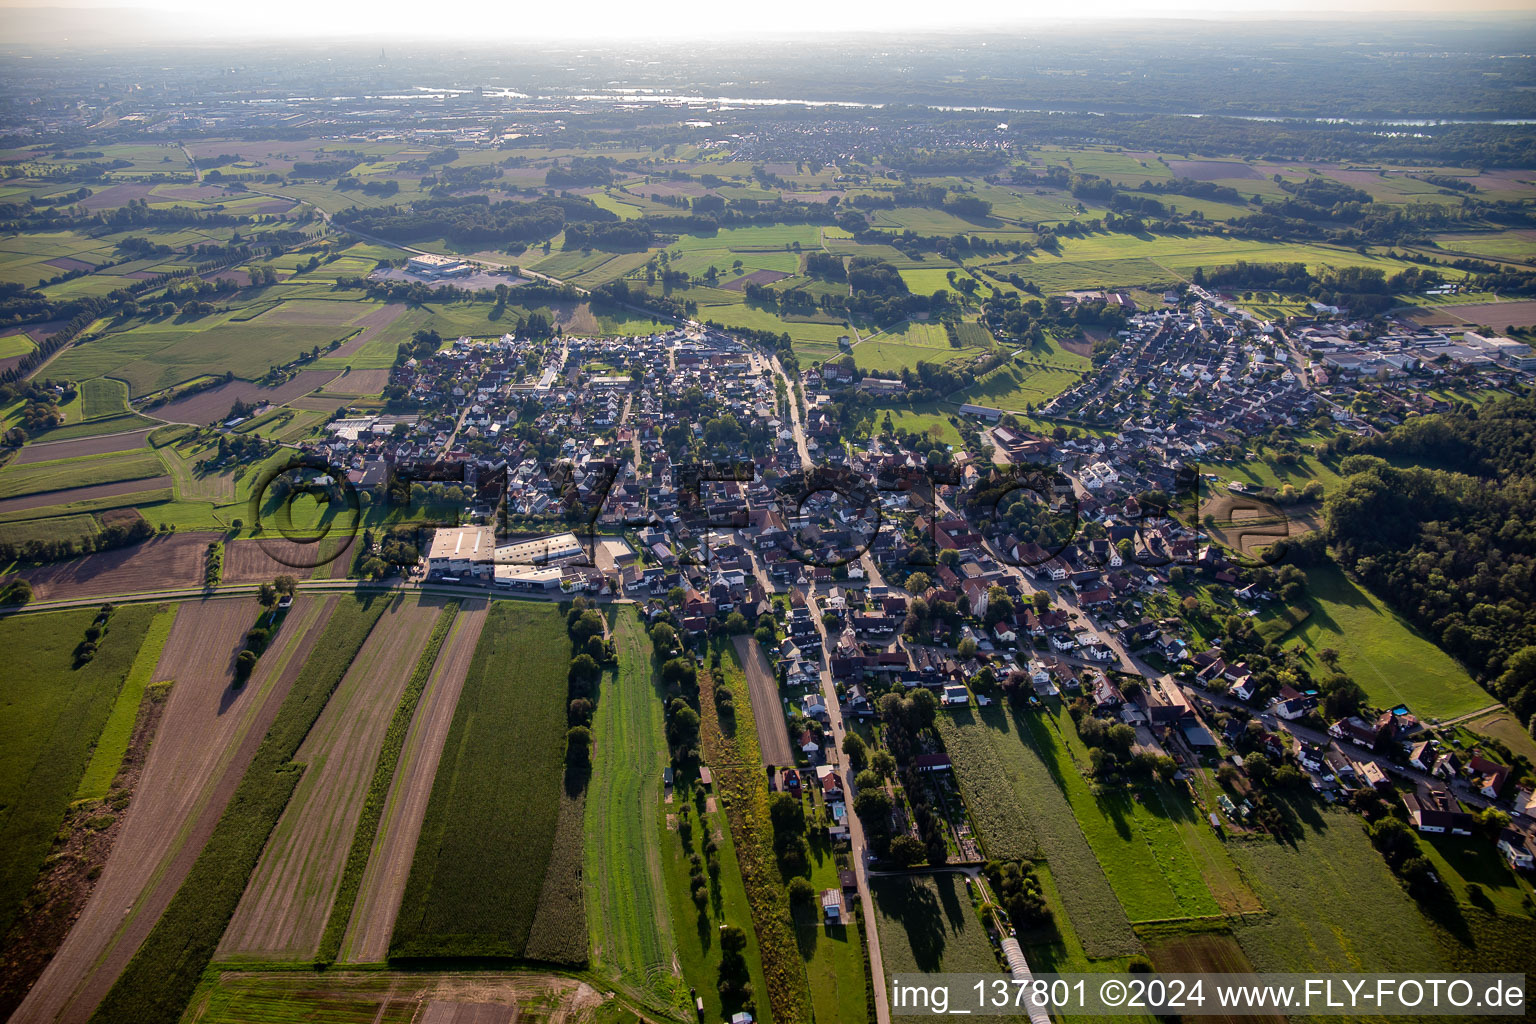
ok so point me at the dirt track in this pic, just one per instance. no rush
(103, 445)
(283, 912)
(206, 740)
(767, 712)
(378, 900)
(164, 562)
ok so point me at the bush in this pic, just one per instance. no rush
(801, 891)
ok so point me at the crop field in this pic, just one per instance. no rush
(51, 714)
(58, 451)
(629, 924)
(1331, 876)
(489, 832)
(164, 972)
(767, 714)
(112, 744)
(70, 474)
(102, 397)
(1042, 797)
(153, 356)
(1381, 652)
(289, 897)
(1110, 260)
(392, 997)
(378, 900)
(164, 562)
(207, 737)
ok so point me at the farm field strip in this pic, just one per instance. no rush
(378, 901)
(50, 713)
(1091, 903)
(743, 791)
(106, 444)
(38, 477)
(767, 712)
(488, 834)
(289, 896)
(630, 928)
(207, 736)
(112, 744)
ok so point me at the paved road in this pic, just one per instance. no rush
(835, 714)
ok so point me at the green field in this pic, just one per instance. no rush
(38, 477)
(1018, 386)
(102, 397)
(1381, 652)
(12, 345)
(488, 838)
(927, 924)
(155, 355)
(628, 919)
(51, 714)
(107, 758)
(1334, 905)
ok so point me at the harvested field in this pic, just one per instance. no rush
(358, 383)
(1498, 315)
(378, 900)
(755, 277)
(289, 897)
(371, 325)
(213, 405)
(1211, 170)
(206, 739)
(68, 263)
(254, 561)
(163, 562)
(104, 444)
(767, 711)
(394, 997)
(73, 494)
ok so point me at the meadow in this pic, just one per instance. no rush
(1330, 875)
(51, 715)
(489, 833)
(1381, 652)
(630, 927)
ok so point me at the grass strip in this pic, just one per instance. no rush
(160, 979)
(107, 758)
(378, 789)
